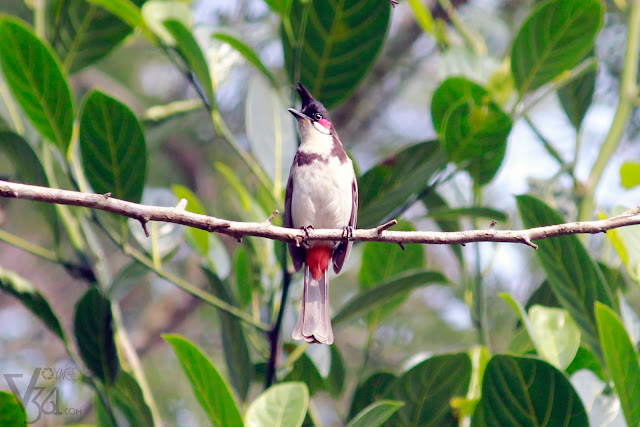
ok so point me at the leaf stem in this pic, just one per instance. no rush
(28, 246)
(478, 296)
(473, 40)
(628, 93)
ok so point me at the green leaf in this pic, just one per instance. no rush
(622, 361)
(449, 214)
(12, 412)
(190, 50)
(337, 373)
(427, 390)
(281, 7)
(245, 274)
(543, 295)
(375, 414)
(114, 154)
(93, 328)
(585, 359)
(630, 174)
(526, 391)
(282, 405)
(248, 53)
(128, 397)
(473, 128)
(433, 202)
(381, 262)
(554, 38)
(234, 343)
(28, 167)
(84, 33)
(576, 96)
(32, 299)
(574, 277)
(128, 12)
(387, 186)
(370, 391)
(209, 387)
(304, 370)
(33, 73)
(339, 43)
(199, 239)
(367, 301)
(557, 335)
(270, 131)
(156, 12)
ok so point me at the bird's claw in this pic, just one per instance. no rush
(347, 232)
(306, 229)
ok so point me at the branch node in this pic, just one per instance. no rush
(493, 224)
(463, 244)
(182, 205)
(273, 215)
(143, 222)
(106, 195)
(385, 226)
(239, 239)
(401, 245)
(527, 241)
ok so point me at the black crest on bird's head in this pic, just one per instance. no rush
(310, 105)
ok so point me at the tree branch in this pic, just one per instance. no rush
(178, 215)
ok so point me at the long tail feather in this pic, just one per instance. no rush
(314, 323)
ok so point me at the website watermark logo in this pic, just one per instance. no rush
(43, 400)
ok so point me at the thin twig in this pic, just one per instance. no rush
(263, 229)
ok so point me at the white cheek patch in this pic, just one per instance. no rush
(321, 128)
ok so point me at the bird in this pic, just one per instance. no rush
(322, 192)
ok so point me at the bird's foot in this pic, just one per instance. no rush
(347, 232)
(306, 229)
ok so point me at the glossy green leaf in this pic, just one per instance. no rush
(32, 299)
(574, 277)
(114, 154)
(630, 174)
(585, 359)
(93, 329)
(339, 43)
(28, 167)
(305, 370)
(127, 11)
(337, 373)
(283, 405)
(381, 262)
(448, 214)
(12, 412)
(234, 343)
(576, 96)
(427, 390)
(375, 414)
(208, 386)
(554, 38)
(190, 51)
(626, 242)
(270, 131)
(280, 7)
(128, 397)
(386, 187)
(622, 361)
(248, 53)
(199, 239)
(83, 33)
(246, 274)
(367, 301)
(156, 12)
(543, 295)
(33, 74)
(434, 202)
(451, 92)
(557, 335)
(474, 136)
(369, 391)
(527, 391)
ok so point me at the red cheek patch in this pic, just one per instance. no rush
(326, 123)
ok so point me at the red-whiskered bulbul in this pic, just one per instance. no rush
(322, 192)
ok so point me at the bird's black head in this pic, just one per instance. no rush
(311, 108)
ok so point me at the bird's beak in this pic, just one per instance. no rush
(298, 115)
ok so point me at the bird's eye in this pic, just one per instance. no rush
(317, 116)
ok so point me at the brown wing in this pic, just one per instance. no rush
(341, 252)
(297, 252)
